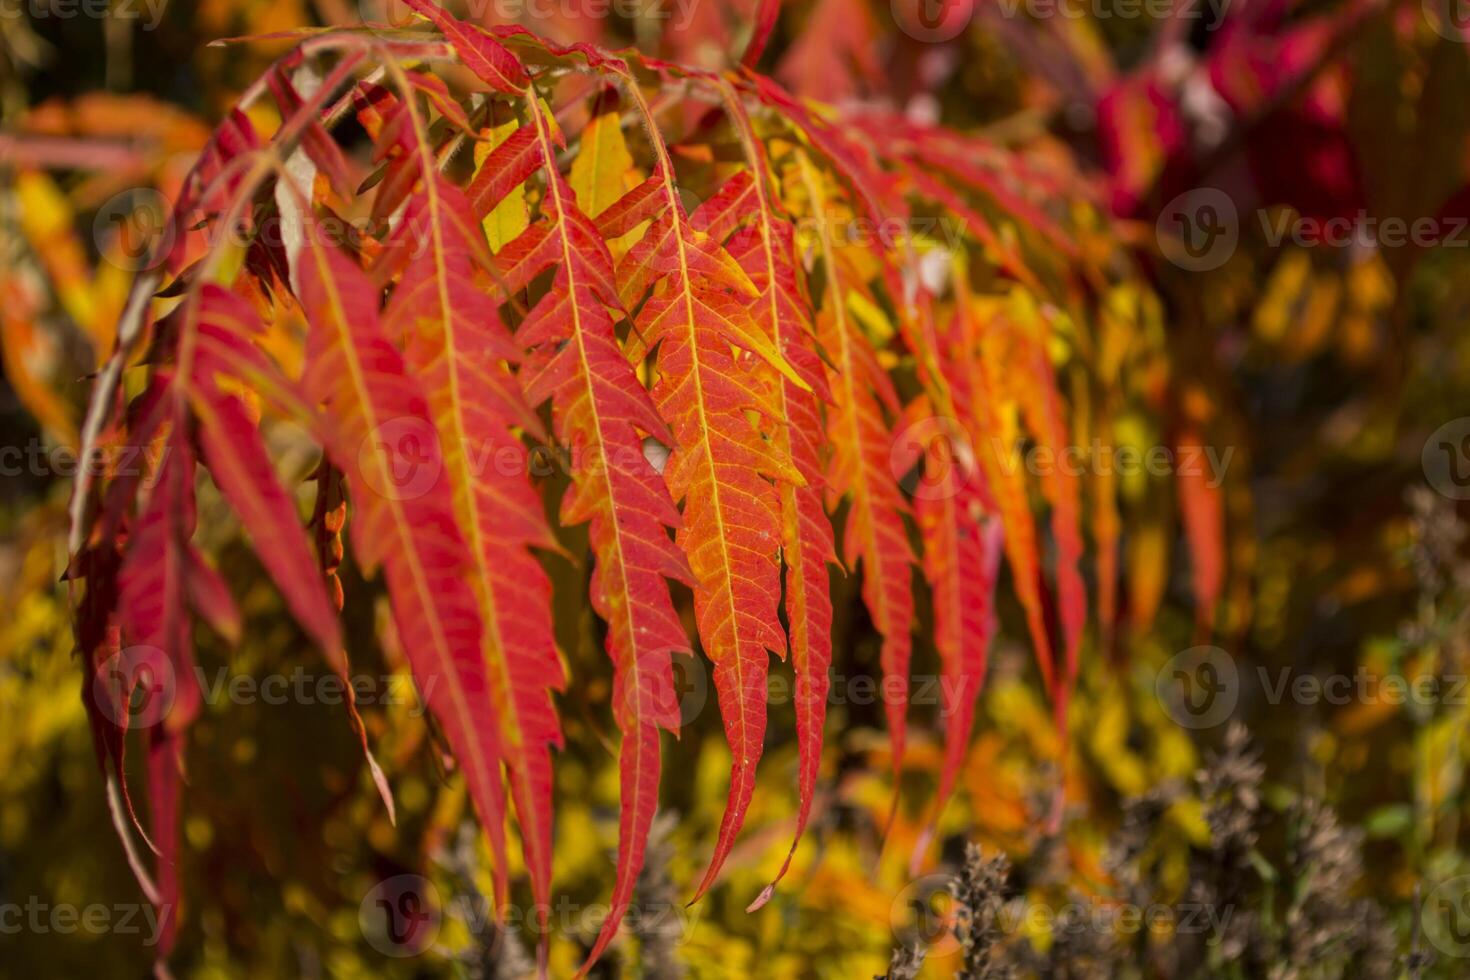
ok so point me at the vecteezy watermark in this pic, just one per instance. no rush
(220, 686)
(1449, 18)
(1446, 459)
(1209, 462)
(1200, 230)
(1199, 687)
(1212, 12)
(402, 916)
(1362, 686)
(38, 458)
(138, 687)
(397, 14)
(691, 685)
(891, 232)
(1445, 916)
(150, 12)
(1362, 230)
(135, 230)
(937, 21)
(38, 916)
(925, 913)
(861, 690)
(950, 462)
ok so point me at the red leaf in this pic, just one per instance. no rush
(490, 60)
(404, 519)
(1042, 408)
(860, 471)
(766, 251)
(962, 550)
(766, 16)
(720, 467)
(457, 344)
(601, 411)
(1202, 508)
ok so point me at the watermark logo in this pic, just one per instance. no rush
(1212, 12)
(400, 459)
(400, 916)
(1199, 687)
(691, 685)
(1199, 230)
(923, 915)
(136, 687)
(946, 454)
(132, 229)
(1446, 459)
(1210, 463)
(1445, 916)
(303, 688)
(687, 694)
(1449, 18)
(384, 17)
(932, 21)
(926, 914)
(1362, 230)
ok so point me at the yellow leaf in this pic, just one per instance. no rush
(511, 216)
(46, 220)
(1148, 565)
(30, 360)
(601, 171)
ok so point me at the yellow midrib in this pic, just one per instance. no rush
(410, 555)
(861, 492)
(494, 638)
(687, 288)
(553, 190)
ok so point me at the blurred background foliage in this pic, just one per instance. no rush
(1324, 369)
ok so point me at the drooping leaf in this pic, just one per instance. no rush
(1202, 509)
(961, 556)
(602, 413)
(860, 472)
(765, 249)
(1043, 412)
(380, 437)
(720, 466)
(997, 449)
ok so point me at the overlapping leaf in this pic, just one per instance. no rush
(602, 413)
(765, 250)
(457, 346)
(860, 472)
(696, 309)
(419, 410)
(380, 436)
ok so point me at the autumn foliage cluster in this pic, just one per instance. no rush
(726, 305)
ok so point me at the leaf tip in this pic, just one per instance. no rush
(761, 899)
